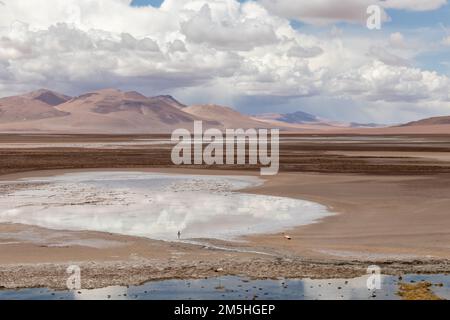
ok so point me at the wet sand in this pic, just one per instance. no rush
(400, 222)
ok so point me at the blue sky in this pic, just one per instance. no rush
(412, 19)
(154, 3)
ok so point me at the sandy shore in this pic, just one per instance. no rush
(398, 222)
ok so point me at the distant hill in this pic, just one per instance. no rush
(365, 125)
(298, 117)
(35, 105)
(435, 125)
(429, 122)
(227, 117)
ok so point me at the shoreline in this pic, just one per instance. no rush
(106, 274)
(311, 253)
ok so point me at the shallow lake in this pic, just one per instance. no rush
(153, 205)
(236, 288)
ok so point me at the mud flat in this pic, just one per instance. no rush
(388, 209)
(332, 248)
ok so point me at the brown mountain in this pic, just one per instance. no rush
(435, 125)
(49, 97)
(103, 111)
(168, 100)
(430, 122)
(228, 117)
(31, 106)
(129, 112)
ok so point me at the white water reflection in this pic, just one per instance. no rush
(154, 205)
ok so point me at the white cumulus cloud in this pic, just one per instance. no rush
(217, 49)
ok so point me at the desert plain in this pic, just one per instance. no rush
(388, 195)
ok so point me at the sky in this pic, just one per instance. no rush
(256, 56)
(154, 3)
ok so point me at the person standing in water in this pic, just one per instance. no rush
(179, 235)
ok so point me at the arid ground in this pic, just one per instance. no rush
(390, 196)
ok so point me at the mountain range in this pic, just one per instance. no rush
(103, 111)
(112, 111)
